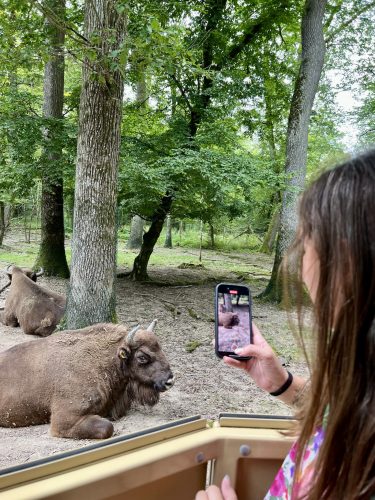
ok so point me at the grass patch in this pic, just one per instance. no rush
(24, 257)
(190, 238)
(215, 265)
(192, 345)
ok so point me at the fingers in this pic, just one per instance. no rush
(227, 489)
(251, 350)
(201, 495)
(211, 493)
(256, 351)
(258, 338)
(234, 362)
(214, 493)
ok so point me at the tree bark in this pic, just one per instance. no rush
(137, 223)
(212, 236)
(306, 86)
(51, 255)
(2, 222)
(269, 240)
(139, 272)
(136, 233)
(213, 16)
(168, 234)
(228, 306)
(91, 297)
(181, 229)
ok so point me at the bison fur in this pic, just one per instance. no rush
(32, 307)
(228, 319)
(79, 379)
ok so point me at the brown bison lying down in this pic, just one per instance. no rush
(28, 305)
(228, 319)
(75, 378)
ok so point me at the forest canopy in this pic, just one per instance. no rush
(208, 93)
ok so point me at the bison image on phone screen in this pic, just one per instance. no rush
(233, 321)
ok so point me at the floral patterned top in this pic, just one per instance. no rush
(281, 488)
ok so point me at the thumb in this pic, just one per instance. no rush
(251, 350)
(227, 489)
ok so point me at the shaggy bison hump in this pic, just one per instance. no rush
(228, 319)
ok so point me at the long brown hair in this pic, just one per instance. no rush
(337, 212)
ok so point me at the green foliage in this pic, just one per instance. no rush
(228, 65)
(205, 184)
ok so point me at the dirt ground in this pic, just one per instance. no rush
(185, 312)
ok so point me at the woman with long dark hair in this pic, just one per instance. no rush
(334, 455)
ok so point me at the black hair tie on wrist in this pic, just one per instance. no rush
(284, 387)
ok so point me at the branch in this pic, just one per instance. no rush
(335, 9)
(248, 36)
(349, 21)
(58, 22)
(251, 31)
(281, 34)
(367, 132)
(182, 90)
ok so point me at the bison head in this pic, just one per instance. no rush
(10, 270)
(146, 365)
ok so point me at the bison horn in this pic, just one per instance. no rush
(152, 325)
(40, 272)
(8, 270)
(131, 334)
(4, 288)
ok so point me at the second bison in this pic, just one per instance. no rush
(228, 319)
(79, 379)
(32, 307)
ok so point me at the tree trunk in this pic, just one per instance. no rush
(136, 233)
(91, 297)
(212, 236)
(168, 234)
(271, 234)
(136, 228)
(2, 222)
(228, 306)
(181, 229)
(215, 11)
(139, 272)
(51, 255)
(200, 240)
(306, 86)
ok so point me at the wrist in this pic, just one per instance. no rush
(295, 394)
(284, 387)
(278, 379)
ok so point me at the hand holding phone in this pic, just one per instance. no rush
(233, 328)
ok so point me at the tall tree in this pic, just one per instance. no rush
(306, 86)
(137, 223)
(136, 233)
(168, 232)
(51, 254)
(91, 297)
(219, 47)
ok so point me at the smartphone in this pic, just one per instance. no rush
(233, 327)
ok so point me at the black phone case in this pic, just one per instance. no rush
(221, 354)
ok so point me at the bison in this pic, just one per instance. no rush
(28, 305)
(78, 379)
(228, 319)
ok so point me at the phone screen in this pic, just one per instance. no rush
(232, 318)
